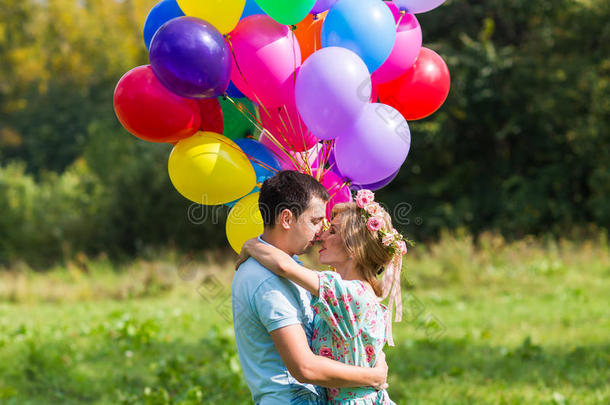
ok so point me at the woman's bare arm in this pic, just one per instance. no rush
(281, 264)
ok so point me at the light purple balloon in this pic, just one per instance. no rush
(374, 186)
(332, 88)
(417, 6)
(322, 5)
(375, 146)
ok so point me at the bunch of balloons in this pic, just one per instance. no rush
(333, 81)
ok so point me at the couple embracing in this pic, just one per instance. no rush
(309, 337)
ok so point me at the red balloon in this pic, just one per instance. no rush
(421, 90)
(150, 111)
(211, 115)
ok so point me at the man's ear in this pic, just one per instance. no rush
(286, 219)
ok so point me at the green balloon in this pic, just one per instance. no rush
(237, 124)
(288, 12)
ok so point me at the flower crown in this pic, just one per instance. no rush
(372, 213)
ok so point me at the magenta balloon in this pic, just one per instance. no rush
(332, 88)
(417, 6)
(406, 48)
(322, 5)
(265, 57)
(375, 146)
(338, 190)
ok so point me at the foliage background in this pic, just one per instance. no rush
(522, 145)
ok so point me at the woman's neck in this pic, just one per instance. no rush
(349, 271)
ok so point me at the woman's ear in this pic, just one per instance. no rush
(286, 218)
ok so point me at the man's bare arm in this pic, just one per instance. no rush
(305, 366)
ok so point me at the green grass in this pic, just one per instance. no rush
(486, 322)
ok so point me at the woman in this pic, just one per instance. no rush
(350, 323)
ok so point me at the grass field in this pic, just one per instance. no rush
(486, 322)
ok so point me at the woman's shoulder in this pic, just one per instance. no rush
(358, 287)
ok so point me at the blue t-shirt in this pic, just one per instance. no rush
(262, 303)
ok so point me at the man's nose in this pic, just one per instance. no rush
(319, 235)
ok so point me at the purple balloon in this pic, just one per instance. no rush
(332, 88)
(375, 186)
(355, 186)
(417, 6)
(322, 5)
(375, 146)
(191, 58)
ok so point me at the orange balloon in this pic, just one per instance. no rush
(309, 34)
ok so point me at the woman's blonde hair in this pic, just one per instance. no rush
(363, 245)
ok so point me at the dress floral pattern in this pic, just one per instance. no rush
(349, 326)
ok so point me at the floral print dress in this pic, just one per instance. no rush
(349, 326)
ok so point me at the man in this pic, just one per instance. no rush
(272, 316)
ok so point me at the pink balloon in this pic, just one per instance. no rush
(406, 48)
(265, 57)
(287, 126)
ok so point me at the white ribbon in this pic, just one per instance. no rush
(390, 286)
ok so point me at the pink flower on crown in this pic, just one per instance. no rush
(388, 240)
(374, 224)
(373, 209)
(402, 246)
(364, 198)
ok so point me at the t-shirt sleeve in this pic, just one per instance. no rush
(338, 304)
(277, 305)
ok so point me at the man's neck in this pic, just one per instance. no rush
(272, 237)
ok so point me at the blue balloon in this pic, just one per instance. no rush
(257, 151)
(161, 13)
(251, 9)
(233, 91)
(366, 27)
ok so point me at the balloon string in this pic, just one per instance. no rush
(345, 183)
(305, 167)
(252, 118)
(256, 123)
(261, 104)
(279, 129)
(259, 126)
(402, 14)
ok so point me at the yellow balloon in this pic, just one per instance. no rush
(244, 221)
(222, 14)
(210, 169)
